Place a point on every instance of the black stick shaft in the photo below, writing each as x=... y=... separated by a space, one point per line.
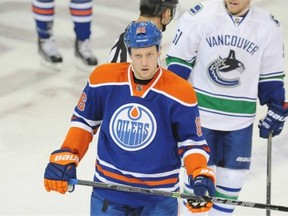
x=269 y=175
x=177 y=195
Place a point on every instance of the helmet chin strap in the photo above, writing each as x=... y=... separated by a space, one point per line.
x=156 y=70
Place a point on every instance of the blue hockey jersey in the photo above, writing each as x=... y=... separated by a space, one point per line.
x=146 y=131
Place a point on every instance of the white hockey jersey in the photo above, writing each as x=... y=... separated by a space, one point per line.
x=230 y=57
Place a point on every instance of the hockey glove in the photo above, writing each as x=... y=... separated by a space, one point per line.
x=274 y=120
x=203 y=181
x=60 y=169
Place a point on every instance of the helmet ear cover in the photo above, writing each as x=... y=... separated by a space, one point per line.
x=142 y=34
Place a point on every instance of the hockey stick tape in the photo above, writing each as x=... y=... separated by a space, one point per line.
x=73 y=181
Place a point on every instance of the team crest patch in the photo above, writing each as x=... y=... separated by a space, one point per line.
x=195 y=9
x=224 y=71
x=132 y=127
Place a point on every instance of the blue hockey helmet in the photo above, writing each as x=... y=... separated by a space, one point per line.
x=142 y=34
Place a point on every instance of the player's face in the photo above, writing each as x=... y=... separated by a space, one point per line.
x=237 y=7
x=144 y=62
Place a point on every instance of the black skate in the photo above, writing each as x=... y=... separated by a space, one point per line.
x=84 y=54
x=49 y=53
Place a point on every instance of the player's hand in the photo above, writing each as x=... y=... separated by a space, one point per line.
x=274 y=120
x=196 y=206
x=60 y=169
x=203 y=183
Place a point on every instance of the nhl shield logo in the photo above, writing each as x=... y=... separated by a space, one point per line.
x=132 y=127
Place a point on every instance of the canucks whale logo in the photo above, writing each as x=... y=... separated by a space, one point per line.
x=132 y=127
x=225 y=71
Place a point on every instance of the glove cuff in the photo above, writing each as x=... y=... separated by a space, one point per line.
x=278 y=112
x=64 y=157
x=285 y=105
x=205 y=172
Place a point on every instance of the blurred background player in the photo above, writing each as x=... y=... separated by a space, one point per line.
x=148 y=127
x=160 y=12
x=232 y=53
x=81 y=11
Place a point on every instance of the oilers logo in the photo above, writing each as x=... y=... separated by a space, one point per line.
x=132 y=127
x=225 y=71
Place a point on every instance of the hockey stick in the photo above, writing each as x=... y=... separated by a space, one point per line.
x=269 y=165
x=177 y=195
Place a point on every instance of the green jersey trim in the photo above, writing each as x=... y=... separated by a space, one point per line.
x=224 y=105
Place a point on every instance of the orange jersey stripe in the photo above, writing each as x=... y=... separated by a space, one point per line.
x=43 y=11
x=81 y=12
x=135 y=180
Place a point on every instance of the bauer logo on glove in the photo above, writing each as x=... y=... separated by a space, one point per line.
x=274 y=120
x=60 y=169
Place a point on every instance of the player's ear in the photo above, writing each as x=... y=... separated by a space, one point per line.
x=167 y=14
x=166 y=17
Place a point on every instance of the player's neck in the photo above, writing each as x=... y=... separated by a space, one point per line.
x=241 y=13
x=140 y=81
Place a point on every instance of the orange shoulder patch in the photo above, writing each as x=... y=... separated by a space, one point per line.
x=111 y=72
x=177 y=87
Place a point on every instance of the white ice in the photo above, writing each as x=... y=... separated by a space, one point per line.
x=36 y=106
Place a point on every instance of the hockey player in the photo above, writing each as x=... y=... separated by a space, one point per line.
x=81 y=11
x=148 y=126
x=231 y=52
x=160 y=12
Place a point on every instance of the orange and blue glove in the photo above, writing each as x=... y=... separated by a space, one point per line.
x=60 y=169
x=203 y=184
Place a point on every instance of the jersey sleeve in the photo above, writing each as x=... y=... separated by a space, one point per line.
x=86 y=119
x=184 y=117
x=271 y=83
x=192 y=144
x=186 y=122
x=182 y=52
